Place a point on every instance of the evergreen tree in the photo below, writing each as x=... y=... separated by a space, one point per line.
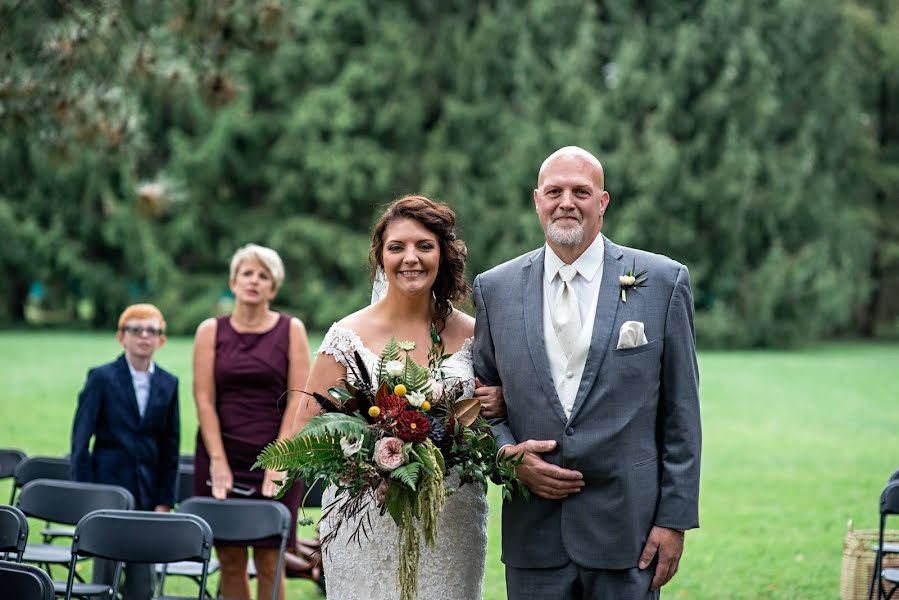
x=143 y=142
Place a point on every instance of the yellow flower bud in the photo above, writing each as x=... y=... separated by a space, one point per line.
x=400 y=390
x=374 y=412
x=426 y=406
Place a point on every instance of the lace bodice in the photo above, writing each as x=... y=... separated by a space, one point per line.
x=340 y=342
x=454 y=570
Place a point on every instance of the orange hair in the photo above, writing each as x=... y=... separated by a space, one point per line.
x=141 y=311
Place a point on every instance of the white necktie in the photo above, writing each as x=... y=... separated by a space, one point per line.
x=566 y=314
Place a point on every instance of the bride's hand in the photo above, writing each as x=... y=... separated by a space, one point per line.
x=493 y=405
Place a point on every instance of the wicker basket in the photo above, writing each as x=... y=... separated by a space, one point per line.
x=858 y=561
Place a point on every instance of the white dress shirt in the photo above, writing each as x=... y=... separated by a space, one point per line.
x=567 y=372
x=141 y=382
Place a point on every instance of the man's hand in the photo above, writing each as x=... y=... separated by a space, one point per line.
x=269 y=487
x=491 y=398
x=542 y=478
x=669 y=544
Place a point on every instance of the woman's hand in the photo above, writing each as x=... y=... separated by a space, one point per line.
x=493 y=405
x=269 y=487
x=221 y=476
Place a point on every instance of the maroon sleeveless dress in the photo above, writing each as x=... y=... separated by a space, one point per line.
x=250 y=381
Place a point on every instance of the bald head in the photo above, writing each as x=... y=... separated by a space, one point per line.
x=577 y=154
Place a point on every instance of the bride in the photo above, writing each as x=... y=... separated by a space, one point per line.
x=415 y=245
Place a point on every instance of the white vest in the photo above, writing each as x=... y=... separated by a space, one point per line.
x=567 y=372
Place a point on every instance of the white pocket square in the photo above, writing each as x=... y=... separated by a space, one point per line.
x=631 y=335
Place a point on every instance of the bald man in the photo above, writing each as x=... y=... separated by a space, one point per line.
x=594 y=347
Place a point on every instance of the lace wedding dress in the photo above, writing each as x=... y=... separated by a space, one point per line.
x=454 y=570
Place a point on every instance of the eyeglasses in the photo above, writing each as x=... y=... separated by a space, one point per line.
x=139 y=330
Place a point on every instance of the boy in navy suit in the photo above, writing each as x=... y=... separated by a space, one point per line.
x=130 y=408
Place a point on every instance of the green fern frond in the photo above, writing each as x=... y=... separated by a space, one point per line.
x=297 y=452
x=335 y=425
x=391 y=351
x=416 y=376
x=408 y=474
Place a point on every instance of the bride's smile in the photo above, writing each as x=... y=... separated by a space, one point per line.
x=411 y=274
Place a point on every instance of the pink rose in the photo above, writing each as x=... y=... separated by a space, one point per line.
x=389 y=453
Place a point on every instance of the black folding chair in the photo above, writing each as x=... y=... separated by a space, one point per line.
x=9 y=458
x=24 y=582
x=141 y=537
x=889 y=547
x=43 y=467
x=40 y=467
x=13 y=532
x=243 y=521
x=65 y=502
x=889 y=505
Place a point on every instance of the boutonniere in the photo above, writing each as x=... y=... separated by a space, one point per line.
x=631 y=279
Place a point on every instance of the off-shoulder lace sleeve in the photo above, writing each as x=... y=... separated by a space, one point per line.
x=467 y=348
x=340 y=342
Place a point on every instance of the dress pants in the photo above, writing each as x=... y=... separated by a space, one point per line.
x=573 y=582
x=139 y=578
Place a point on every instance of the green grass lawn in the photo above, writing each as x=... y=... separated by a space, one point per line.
x=795 y=444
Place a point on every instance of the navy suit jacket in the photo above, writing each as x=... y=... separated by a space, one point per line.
x=137 y=453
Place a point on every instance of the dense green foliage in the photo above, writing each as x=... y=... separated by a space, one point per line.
x=875 y=26
x=142 y=142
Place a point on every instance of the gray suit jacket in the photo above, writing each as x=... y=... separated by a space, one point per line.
x=634 y=431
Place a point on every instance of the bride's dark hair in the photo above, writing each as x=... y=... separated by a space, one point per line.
x=439 y=219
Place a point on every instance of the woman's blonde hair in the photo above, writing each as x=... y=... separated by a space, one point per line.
x=268 y=257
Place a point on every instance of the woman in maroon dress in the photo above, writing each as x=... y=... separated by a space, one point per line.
x=243 y=365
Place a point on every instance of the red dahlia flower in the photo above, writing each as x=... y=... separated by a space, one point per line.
x=392 y=406
x=412 y=426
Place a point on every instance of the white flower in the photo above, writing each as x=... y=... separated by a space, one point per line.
x=416 y=399
x=394 y=368
x=407 y=346
x=350 y=447
x=631 y=279
x=435 y=387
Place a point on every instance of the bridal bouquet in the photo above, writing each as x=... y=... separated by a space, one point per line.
x=394 y=442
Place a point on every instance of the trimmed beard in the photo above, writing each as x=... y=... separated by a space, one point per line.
x=572 y=236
